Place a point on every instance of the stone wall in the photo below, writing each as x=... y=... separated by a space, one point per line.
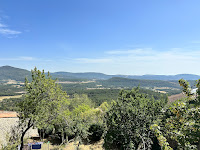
x=5 y=127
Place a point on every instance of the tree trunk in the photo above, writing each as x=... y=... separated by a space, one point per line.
x=40 y=134
x=63 y=139
x=62 y=136
x=66 y=139
x=43 y=133
x=23 y=134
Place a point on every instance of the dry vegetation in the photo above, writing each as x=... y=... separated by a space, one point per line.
x=175 y=97
x=73 y=146
x=96 y=146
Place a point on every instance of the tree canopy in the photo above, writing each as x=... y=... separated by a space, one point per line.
x=179 y=125
x=129 y=119
x=41 y=103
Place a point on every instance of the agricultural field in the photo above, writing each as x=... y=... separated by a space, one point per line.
x=175 y=97
x=8 y=97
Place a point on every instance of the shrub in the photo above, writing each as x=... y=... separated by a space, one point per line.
x=96 y=132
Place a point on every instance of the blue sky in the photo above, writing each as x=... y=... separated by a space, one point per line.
x=132 y=37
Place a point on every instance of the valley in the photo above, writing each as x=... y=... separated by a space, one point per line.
x=92 y=91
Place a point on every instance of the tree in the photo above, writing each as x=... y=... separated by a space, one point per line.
x=76 y=120
x=41 y=103
x=129 y=119
x=82 y=115
x=80 y=100
x=179 y=124
x=186 y=87
x=198 y=92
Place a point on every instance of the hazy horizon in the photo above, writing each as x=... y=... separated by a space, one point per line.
x=111 y=37
x=102 y=72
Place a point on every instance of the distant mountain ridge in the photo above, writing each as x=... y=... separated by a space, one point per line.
x=8 y=72
x=167 y=77
x=102 y=76
x=84 y=75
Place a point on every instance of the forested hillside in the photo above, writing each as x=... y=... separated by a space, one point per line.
x=124 y=82
x=86 y=75
x=8 y=72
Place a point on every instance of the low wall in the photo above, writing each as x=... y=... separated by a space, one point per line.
x=6 y=125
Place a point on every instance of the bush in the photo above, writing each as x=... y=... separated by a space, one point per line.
x=95 y=132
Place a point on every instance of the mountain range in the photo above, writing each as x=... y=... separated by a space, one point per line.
x=18 y=74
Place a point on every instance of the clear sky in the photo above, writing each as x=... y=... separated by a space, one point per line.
x=132 y=37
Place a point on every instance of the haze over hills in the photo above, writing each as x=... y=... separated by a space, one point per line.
x=8 y=72
x=167 y=77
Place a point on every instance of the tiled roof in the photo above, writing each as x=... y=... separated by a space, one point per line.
x=8 y=114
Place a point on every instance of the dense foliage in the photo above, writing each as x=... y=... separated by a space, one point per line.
x=179 y=125
x=98 y=96
x=134 y=120
x=78 y=118
x=129 y=119
x=48 y=108
x=41 y=102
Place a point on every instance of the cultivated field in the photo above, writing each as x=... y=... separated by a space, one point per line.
x=175 y=97
x=7 y=97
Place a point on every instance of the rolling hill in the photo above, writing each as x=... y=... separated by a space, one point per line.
x=129 y=83
x=166 y=77
x=85 y=75
x=8 y=72
x=101 y=76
